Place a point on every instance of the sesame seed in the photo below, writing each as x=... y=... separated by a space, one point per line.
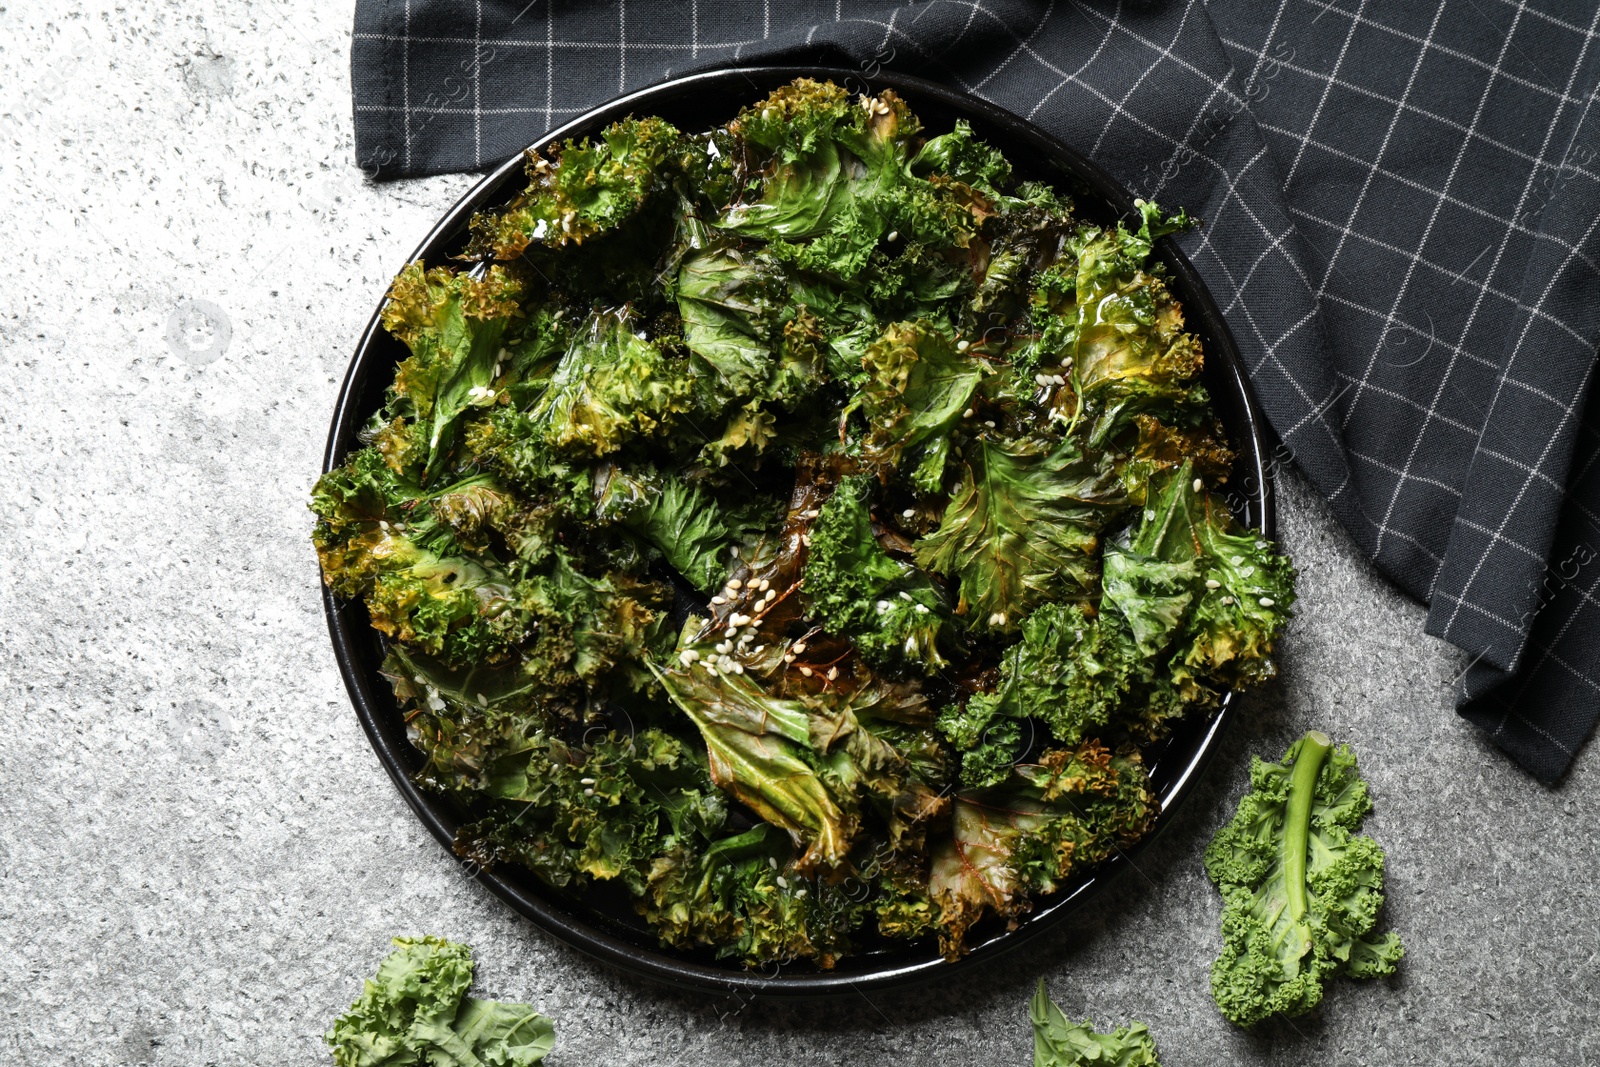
x=962 y=346
x=588 y=792
x=922 y=609
x=1198 y=485
x=805 y=672
x=909 y=513
x=772 y=863
x=997 y=619
x=1227 y=600
x=833 y=673
x=894 y=235
x=799 y=648
x=967 y=414
x=1212 y=583
x=788 y=657
x=764 y=585
x=719 y=600
x=737 y=668
x=883 y=605
x=734 y=584
x=989 y=423
x=1266 y=602
x=781 y=883
x=1041 y=379
x=586 y=781
x=904 y=595
x=760 y=649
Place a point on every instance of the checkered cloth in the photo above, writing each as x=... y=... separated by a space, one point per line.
x=1400 y=201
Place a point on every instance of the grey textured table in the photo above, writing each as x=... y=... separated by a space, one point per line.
x=200 y=858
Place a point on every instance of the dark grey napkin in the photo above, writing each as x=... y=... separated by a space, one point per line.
x=1400 y=202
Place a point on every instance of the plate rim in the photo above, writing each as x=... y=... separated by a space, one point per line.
x=348 y=632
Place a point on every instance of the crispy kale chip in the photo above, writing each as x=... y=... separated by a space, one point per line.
x=1022 y=527
x=916 y=388
x=1060 y=1042
x=608 y=809
x=856 y=589
x=1190 y=605
x=740 y=897
x=1301 y=889
x=694 y=532
x=453 y=323
x=611 y=387
x=416 y=1011
x=1071 y=810
x=581 y=189
x=838 y=181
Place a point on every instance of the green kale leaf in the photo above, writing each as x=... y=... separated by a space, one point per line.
x=855 y=589
x=1022 y=527
x=760 y=751
x=684 y=522
x=1059 y=1042
x=415 y=1012
x=916 y=388
x=582 y=189
x=612 y=386
x=453 y=324
x=1071 y=810
x=1301 y=889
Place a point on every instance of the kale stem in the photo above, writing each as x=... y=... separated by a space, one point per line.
x=1313 y=749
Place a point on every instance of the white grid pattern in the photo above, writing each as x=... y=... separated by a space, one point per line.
x=1284 y=127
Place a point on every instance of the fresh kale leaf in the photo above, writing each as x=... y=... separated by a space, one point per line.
x=1059 y=1042
x=415 y=1011
x=1301 y=889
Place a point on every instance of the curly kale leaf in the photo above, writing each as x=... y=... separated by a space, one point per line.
x=960 y=156
x=1130 y=352
x=692 y=530
x=1071 y=670
x=742 y=897
x=1022 y=527
x=1071 y=810
x=582 y=189
x=1301 y=889
x=838 y=182
x=611 y=387
x=760 y=752
x=916 y=388
x=1169 y=634
x=607 y=810
x=855 y=589
x=453 y=324
x=588 y=634
x=416 y=1011
x=727 y=302
x=1059 y=1042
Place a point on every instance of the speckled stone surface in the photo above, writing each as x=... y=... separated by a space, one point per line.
x=200 y=858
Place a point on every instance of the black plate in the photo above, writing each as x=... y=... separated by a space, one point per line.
x=603 y=924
